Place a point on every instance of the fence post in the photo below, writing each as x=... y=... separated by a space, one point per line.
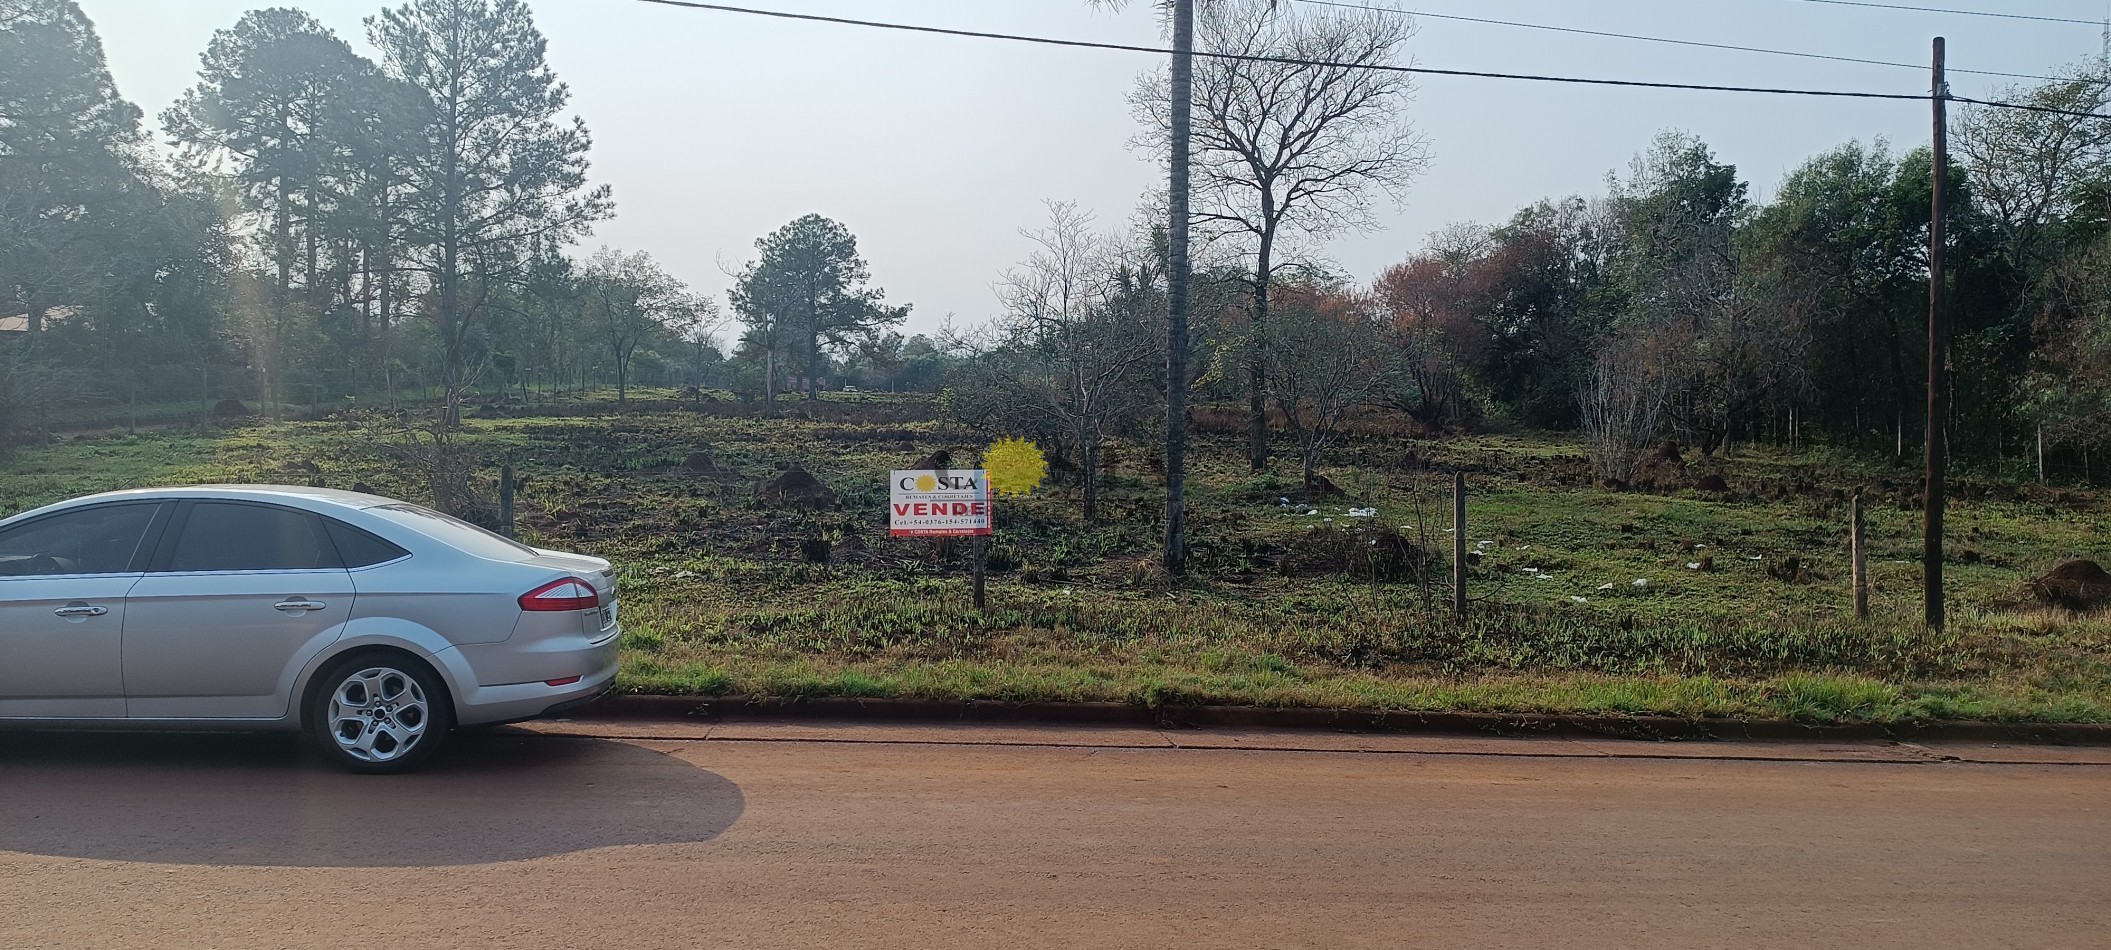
x=981 y=567
x=1458 y=545
x=1858 y=544
x=505 y=501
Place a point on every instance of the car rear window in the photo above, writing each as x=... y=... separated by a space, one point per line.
x=358 y=548
x=456 y=532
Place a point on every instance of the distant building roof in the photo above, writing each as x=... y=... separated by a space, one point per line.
x=19 y=322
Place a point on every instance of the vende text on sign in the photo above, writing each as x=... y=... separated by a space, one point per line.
x=938 y=504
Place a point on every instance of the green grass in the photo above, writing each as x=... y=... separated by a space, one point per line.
x=718 y=599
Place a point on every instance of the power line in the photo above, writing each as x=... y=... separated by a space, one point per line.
x=1285 y=60
x=1375 y=67
x=1666 y=40
x=2027 y=107
x=1982 y=13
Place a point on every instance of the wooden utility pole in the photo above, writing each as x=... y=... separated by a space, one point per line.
x=1458 y=545
x=1938 y=354
x=1176 y=283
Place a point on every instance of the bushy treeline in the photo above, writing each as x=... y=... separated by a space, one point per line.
x=319 y=226
x=1674 y=305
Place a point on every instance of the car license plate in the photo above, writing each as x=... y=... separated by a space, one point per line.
x=608 y=616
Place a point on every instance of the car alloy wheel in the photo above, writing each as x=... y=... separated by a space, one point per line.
x=379 y=714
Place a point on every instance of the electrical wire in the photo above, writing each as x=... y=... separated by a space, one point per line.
x=1375 y=67
x=1290 y=61
x=1982 y=13
x=1667 y=40
x=2027 y=107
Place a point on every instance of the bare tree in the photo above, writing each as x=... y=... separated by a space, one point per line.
x=2030 y=168
x=1623 y=406
x=1431 y=303
x=1089 y=356
x=1725 y=337
x=1323 y=366
x=1297 y=140
x=628 y=296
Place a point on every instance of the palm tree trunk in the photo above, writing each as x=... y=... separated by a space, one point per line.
x=1176 y=342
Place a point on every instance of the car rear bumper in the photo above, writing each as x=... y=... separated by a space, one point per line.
x=596 y=667
x=571 y=705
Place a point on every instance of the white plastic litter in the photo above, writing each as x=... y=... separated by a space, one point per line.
x=1580 y=600
x=1755 y=557
x=1608 y=585
x=1363 y=512
x=1693 y=565
x=1641 y=582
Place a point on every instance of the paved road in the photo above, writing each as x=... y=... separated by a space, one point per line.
x=812 y=836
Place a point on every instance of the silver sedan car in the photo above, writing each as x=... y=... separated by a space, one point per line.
x=373 y=625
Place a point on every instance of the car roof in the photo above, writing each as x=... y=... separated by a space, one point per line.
x=294 y=494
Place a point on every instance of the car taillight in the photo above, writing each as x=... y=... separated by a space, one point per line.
x=570 y=593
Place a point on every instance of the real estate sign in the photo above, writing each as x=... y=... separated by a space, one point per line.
x=938 y=504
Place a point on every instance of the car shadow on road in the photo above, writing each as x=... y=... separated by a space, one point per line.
x=261 y=800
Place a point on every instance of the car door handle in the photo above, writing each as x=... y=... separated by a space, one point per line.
x=297 y=605
x=81 y=610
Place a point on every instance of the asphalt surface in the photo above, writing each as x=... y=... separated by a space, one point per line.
x=817 y=835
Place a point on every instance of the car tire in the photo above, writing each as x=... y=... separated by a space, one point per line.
x=378 y=712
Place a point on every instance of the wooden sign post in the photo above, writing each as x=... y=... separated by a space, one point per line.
x=937 y=503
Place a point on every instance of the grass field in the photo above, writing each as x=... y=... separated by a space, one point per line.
x=1666 y=601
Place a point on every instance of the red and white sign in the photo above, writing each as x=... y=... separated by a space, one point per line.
x=938 y=504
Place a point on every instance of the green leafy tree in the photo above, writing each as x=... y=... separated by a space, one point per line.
x=496 y=166
x=1675 y=270
x=1850 y=226
x=806 y=294
x=2068 y=389
x=273 y=112
x=70 y=147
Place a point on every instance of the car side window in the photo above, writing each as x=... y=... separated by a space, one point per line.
x=220 y=536
x=98 y=540
x=359 y=548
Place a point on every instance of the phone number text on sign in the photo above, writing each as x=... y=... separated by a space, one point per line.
x=938 y=504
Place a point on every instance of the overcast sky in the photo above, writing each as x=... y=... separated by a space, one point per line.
x=717 y=128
